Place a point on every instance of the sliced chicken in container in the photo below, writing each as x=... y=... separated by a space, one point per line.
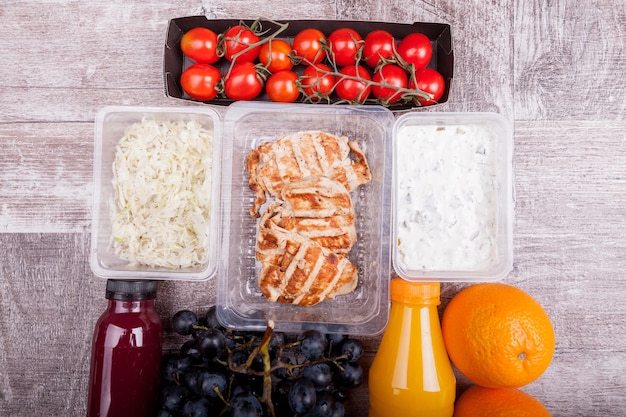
x=308 y=229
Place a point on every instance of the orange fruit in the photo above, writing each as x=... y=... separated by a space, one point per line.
x=479 y=401
x=497 y=335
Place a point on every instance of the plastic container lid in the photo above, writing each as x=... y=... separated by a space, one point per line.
x=130 y=290
x=410 y=292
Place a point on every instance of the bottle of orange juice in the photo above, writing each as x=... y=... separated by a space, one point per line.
x=411 y=375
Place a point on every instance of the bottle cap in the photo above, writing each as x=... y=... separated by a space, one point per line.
x=130 y=290
x=409 y=292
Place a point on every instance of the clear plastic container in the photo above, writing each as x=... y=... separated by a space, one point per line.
x=240 y=303
x=452 y=197
x=110 y=125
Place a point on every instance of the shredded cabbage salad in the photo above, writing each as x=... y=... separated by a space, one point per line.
x=161 y=205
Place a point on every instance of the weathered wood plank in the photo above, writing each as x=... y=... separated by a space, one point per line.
x=46 y=180
x=569 y=60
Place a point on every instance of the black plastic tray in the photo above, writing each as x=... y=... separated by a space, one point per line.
x=175 y=62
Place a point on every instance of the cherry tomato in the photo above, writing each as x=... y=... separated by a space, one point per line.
x=317 y=81
x=344 y=44
x=200 y=44
x=395 y=77
x=429 y=81
x=243 y=82
x=308 y=44
x=282 y=86
x=276 y=55
x=352 y=89
x=238 y=39
x=379 y=44
x=199 y=81
x=416 y=49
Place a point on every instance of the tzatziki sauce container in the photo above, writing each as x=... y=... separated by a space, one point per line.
x=452 y=197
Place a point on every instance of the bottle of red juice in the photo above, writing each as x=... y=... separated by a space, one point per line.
x=126 y=353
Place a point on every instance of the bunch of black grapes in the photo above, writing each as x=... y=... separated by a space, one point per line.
x=226 y=373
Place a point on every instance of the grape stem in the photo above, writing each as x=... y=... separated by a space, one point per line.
x=267 y=367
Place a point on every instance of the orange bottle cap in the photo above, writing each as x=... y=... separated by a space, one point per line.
x=409 y=292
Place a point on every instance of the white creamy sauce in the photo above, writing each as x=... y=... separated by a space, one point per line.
x=446 y=201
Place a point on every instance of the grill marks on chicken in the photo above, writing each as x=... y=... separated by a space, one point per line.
x=306 y=233
x=301 y=155
x=319 y=209
x=297 y=270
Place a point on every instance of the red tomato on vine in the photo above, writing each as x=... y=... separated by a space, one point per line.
x=416 y=49
x=282 y=86
x=317 y=81
x=344 y=44
x=199 y=81
x=200 y=45
x=243 y=82
x=429 y=81
x=238 y=44
x=308 y=45
x=379 y=45
x=395 y=79
x=275 y=55
x=355 y=86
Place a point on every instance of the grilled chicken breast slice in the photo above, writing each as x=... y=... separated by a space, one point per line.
x=299 y=155
x=320 y=209
x=298 y=270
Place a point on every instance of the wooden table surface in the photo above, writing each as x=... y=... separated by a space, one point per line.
x=555 y=68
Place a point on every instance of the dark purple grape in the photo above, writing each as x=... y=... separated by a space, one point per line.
x=173 y=397
x=245 y=405
x=161 y=412
x=212 y=381
x=190 y=349
x=230 y=341
x=279 y=397
x=257 y=363
x=251 y=384
x=211 y=343
x=283 y=387
x=352 y=349
x=319 y=374
x=196 y=407
x=339 y=410
x=352 y=374
x=190 y=379
x=341 y=394
x=313 y=344
x=302 y=396
x=324 y=405
x=174 y=366
x=239 y=357
x=184 y=321
x=335 y=340
x=211 y=319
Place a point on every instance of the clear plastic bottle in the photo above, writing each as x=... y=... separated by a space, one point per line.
x=411 y=375
x=126 y=353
